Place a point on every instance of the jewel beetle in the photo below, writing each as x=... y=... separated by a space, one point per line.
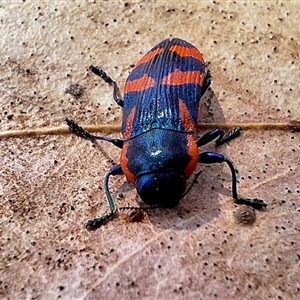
x=160 y=114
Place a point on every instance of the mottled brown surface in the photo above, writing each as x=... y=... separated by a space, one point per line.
x=51 y=185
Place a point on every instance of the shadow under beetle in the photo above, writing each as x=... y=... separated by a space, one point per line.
x=160 y=111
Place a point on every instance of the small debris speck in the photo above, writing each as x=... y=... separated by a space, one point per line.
x=245 y=215
x=76 y=90
x=136 y=216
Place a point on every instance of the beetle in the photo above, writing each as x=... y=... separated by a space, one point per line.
x=160 y=115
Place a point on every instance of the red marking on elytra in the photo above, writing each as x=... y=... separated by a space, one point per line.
x=128 y=129
x=193 y=150
x=178 y=77
x=124 y=164
x=149 y=56
x=186 y=119
x=140 y=84
x=194 y=154
x=187 y=52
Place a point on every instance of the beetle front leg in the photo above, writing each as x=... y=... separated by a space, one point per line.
x=76 y=128
x=96 y=223
x=212 y=158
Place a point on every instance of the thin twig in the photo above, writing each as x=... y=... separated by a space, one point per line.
x=292 y=125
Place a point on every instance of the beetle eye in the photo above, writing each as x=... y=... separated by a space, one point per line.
x=162 y=189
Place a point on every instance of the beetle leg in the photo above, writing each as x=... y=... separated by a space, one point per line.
x=197 y=174
x=73 y=126
x=206 y=83
x=212 y=158
x=96 y=223
x=116 y=93
x=220 y=134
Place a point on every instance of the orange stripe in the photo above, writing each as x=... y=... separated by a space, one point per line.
x=124 y=164
x=194 y=154
x=193 y=151
x=186 y=119
x=179 y=77
x=128 y=129
x=148 y=56
x=139 y=84
x=187 y=52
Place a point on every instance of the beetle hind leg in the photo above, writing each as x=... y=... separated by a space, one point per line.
x=116 y=93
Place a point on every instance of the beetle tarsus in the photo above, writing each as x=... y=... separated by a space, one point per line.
x=220 y=135
x=98 y=222
x=138 y=208
x=255 y=203
x=76 y=128
x=98 y=71
x=116 y=92
x=81 y=132
x=232 y=134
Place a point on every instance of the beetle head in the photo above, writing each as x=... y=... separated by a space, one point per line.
x=164 y=189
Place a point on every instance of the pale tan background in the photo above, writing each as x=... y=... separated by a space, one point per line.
x=51 y=185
